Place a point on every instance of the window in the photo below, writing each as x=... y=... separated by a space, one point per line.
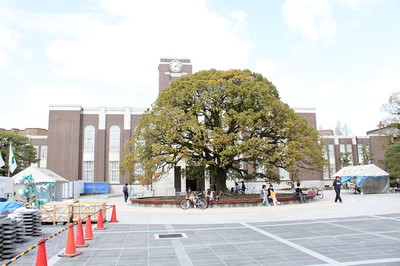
x=115 y=138
x=138 y=169
x=346 y=153
x=88 y=171
x=88 y=154
x=89 y=138
x=283 y=174
x=113 y=172
x=43 y=152
x=364 y=155
x=332 y=159
x=113 y=154
x=43 y=156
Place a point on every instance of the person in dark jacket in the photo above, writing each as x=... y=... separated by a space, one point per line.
x=337 y=185
x=125 y=191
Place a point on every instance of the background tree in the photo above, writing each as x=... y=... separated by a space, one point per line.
x=391 y=124
x=366 y=155
x=345 y=159
x=219 y=120
x=392 y=160
x=24 y=152
x=342 y=130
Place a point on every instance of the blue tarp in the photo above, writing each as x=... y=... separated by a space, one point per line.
x=9 y=206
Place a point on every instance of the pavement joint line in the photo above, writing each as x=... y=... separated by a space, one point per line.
x=179 y=249
x=363 y=231
x=387 y=218
x=362 y=262
x=185 y=230
x=315 y=222
x=212 y=250
x=294 y=245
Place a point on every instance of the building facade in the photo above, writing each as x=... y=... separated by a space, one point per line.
x=38 y=139
x=87 y=143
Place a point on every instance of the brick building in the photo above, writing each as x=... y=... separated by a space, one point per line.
x=87 y=143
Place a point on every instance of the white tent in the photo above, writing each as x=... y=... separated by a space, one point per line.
x=41 y=177
x=370 y=178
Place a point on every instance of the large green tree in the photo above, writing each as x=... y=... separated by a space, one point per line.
x=219 y=120
x=392 y=160
x=24 y=152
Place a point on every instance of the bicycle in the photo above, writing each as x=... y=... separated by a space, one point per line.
x=317 y=192
x=251 y=190
x=197 y=202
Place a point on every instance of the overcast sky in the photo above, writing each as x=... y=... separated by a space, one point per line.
x=341 y=57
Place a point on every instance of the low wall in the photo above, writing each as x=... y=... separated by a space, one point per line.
x=157 y=203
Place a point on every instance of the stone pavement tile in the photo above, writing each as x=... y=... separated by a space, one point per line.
x=157 y=227
x=164 y=261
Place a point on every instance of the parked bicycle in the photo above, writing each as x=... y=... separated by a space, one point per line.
x=197 y=202
x=251 y=190
x=317 y=192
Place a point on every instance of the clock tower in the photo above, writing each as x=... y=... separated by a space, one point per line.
x=170 y=69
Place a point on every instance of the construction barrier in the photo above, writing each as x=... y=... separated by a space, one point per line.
x=113 y=215
x=70 y=248
x=41 y=258
x=80 y=240
x=100 y=224
x=89 y=231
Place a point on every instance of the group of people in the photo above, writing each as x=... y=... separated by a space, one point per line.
x=269 y=193
x=208 y=194
x=239 y=189
x=265 y=193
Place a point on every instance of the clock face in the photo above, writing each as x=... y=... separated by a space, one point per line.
x=175 y=66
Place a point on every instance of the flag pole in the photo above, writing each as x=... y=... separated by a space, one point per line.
x=9 y=154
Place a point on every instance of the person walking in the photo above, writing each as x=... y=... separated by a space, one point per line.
x=243 y=188
x=125 y=190
x=337 y=184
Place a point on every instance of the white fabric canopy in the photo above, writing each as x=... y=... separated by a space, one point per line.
x=40 y=175
x=370 y=178
x=369 y=170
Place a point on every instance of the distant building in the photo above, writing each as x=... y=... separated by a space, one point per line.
x=38 y=138
x=87 y=143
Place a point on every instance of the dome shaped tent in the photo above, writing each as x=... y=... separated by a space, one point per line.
x=370 y=178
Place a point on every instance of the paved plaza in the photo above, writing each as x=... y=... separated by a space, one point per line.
x=363 y=230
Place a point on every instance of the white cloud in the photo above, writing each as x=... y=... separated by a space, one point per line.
x=284 y=81
x=37 y=99
x=357 y=105
x=312 y=19
x=7 y=43
x=354 y=4
x=239 y=15
x=127 y=52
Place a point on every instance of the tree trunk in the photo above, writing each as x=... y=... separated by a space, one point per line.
x=221 y=179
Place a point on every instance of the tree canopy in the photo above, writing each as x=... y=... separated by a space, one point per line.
x=392 y=159
x=220 y=120
x=24 y=152
x=392 y=108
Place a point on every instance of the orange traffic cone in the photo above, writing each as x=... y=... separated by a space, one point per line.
x=70 y=249
x=41 y=258
x=89 y=231
x=114 y=215
x=80 y=241
x=100 y=224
